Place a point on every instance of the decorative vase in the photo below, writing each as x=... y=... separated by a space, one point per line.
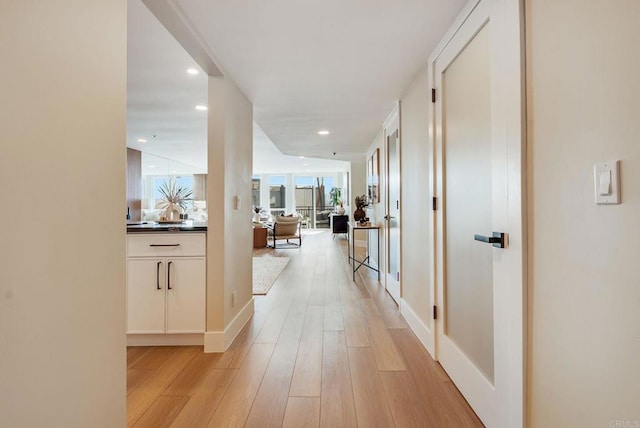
x=173 y=211
x=340 y=210
x=358 y=214
x=256 y=218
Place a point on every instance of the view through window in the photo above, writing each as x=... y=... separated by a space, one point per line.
x=277 y=194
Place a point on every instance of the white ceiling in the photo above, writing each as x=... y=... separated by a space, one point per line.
x=308 y=65
x=160 y=107
x=305 y=65
x=267 y=159
x=161 y=96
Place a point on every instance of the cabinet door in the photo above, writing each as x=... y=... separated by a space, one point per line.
x=146 y=295
x=186 y=294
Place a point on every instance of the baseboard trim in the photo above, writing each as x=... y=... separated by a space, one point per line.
x=417 y=326
x=239 y=321
x=192 y=339
x=219 y=341
x=374 y=263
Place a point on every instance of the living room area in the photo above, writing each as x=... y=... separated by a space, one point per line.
x=313 y=206
x=311 y=190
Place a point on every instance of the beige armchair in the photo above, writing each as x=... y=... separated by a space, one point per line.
x=286 y=228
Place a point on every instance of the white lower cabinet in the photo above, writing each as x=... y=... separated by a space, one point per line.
x=166 y=293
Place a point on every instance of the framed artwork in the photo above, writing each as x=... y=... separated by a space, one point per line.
x=373 y=172
x=348 y=193
x=369 y=179
x=375 y=177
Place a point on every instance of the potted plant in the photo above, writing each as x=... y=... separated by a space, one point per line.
x=257 y=210
x=174 y=199
x=336 y=199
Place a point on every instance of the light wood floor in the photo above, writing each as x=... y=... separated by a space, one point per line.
x=320 y=350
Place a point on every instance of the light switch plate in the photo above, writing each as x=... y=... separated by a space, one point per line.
x=607 y=193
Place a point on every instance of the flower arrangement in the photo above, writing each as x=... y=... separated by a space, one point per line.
x=173 y=194
x=361 y=202
x=257 y=210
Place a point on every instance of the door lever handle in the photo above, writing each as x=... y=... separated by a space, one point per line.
x=497 y=239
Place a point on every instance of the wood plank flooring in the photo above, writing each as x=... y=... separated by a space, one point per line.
x=320 y=350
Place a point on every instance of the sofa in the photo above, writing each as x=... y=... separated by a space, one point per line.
x=322 y=219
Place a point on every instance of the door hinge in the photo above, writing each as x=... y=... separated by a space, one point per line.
x=433 y=95
x=398 y=276
x=435 y=312
x=434 y=203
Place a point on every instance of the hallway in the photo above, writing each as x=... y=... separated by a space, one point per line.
x=320 y=350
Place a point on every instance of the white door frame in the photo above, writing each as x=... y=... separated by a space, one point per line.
x=508 y=128
x=392 y=285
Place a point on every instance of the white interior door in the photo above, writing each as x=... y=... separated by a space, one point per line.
x=480 y=283
x=392 y=146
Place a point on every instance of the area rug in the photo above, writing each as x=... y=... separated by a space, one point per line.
x=265 y=272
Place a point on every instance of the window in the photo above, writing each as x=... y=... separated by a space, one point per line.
x=181 y=181
x=277 y=193
x=255 y=191
x=152 y=183
x=304 y=198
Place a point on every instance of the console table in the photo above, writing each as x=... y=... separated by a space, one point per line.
x=366 y=261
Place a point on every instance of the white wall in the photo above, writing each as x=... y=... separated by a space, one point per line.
x=230 y=234
x=358 y=184
x=376 y=212
x=62 y=261
x=216 y=200
x=416 y=197
x=238 y=229
x=583 y=95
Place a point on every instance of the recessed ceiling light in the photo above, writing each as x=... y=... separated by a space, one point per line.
x=301 y=157
x=323 y=132
x=192 y=71
x=201 y=108
x=141 y=140
x=305 y=164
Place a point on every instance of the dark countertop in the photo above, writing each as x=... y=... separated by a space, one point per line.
x=152 y=226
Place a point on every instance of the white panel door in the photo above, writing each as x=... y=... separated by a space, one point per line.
x=468 y=204
x=186 y=295
x=480 y=283
x=145 y=295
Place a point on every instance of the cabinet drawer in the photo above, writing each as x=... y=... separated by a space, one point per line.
x=166 y=244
